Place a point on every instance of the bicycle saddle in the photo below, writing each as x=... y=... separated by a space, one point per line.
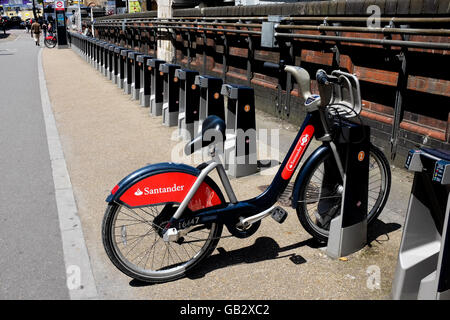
x=213 y=131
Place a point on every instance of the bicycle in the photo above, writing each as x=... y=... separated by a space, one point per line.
x=50 y=41
x=164 y=219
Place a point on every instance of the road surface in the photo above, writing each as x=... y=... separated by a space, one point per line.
x=31 y=261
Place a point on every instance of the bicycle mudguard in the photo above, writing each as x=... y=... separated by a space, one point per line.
x=305 y=169
x=164 y=183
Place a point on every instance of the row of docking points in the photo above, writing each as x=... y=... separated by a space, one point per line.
x=183 y=98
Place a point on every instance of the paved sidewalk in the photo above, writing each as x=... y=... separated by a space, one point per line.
x=105 y=136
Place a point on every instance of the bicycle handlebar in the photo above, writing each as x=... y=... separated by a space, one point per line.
x=270 y=65
x=274 y=66
x=322 y=77
x=303 y=80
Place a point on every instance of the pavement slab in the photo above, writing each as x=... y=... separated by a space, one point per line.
x=105 y=135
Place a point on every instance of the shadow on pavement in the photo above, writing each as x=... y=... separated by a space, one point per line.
x=379 y=228
x=264 y=248
x=4 y=36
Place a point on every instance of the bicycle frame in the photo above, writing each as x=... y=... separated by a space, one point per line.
x=262 y=204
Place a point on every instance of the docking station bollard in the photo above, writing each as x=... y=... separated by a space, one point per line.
x=145 y=80
x=128 y=80
x=94 y=53
x=104 y=57
x=240 y=143
x=111 y=49
x=423 y=267
x=135 y=74
x=171 y=94
x=99 y=55
x=211 y=101
x=82 y=46
x=111 y=59
x=116 y=62
x=157 y=86
x=348 y=231
x=123 y=68
x=189 y=103
x=89 y=48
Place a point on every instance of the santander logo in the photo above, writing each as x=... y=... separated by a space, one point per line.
x=152 y=191
x=305 y=139
x=297 y=153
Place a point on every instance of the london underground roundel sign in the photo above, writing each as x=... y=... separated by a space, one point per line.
x=59 y=5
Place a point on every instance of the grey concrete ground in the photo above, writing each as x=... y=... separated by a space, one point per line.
x=31 y=256
x=105 y=136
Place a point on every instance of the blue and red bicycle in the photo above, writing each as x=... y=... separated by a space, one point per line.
x=164 y=219
x=50 y=41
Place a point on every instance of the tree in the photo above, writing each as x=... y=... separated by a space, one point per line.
x=34 y=10
x=34 y=7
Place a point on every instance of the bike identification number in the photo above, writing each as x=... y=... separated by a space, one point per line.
x=188 y=223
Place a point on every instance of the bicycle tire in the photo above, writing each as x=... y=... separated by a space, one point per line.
x=50 y=43
x=308 y=189
x=165 y=274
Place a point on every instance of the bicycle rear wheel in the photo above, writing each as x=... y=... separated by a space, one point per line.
x=133 y=241
x=320 y=200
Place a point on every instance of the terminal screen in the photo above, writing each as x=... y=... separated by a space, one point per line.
x=60 y=19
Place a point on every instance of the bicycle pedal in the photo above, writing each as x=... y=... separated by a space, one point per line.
x=279 y=214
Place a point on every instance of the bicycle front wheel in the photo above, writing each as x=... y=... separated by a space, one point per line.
x=133 y=241
x=50 y=43
x=320 y=197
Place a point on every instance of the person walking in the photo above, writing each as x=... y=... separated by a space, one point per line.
x=36 y=31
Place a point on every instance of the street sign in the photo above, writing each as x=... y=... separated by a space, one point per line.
x=59 y=5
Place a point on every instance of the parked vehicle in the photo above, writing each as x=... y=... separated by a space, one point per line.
x=6 y=21
x=15 y=21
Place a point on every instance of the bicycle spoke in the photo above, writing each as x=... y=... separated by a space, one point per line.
x=136 y=244
x=126 y=225
x=319 y=191
x=143 y=219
